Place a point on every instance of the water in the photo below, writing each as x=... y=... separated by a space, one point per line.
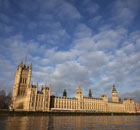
x=70 y=123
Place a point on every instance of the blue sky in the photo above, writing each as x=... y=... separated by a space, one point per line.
x=96 y=42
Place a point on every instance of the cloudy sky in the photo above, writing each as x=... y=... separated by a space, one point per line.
x=96 y=42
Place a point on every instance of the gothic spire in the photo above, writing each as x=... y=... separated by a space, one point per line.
x=65 y=93
x=90 y=93
x=79 y=85
x=21 y=63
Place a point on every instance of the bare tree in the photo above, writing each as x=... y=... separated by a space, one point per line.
x=5 y=100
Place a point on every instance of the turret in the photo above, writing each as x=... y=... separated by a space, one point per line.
x=37 y=85
x=114 y=94
x=17 y=80
x=90 y=94
x=20 y=64
x=65 y=93
x=104 y=97
x=29 y=75
x=30 y=66
x=79 y=92
x=45 y=89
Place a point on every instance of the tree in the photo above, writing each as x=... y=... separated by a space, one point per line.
x=5 y=100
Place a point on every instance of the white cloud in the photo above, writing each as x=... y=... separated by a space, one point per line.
x=84 y=44
x=131 y=94
x=96 y=20
x=94 y=61
x=109 y=39
x=68 y=10
x=82 y=62
x=125 y=11
x=82 y=30
x=4 y=28
x=60 y=8
x=128 y=48
x=59 y=41
x=54 y=37
x=138 y=43
x=90 y=7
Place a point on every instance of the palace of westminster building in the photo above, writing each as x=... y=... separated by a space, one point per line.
x=26 y=97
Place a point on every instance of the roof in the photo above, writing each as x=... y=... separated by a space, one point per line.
x=93 y=98
x=115 y=102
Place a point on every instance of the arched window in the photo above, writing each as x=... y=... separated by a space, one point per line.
x=23 y=80
x=20 y=79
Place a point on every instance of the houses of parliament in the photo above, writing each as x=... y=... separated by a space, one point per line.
x=26 y=97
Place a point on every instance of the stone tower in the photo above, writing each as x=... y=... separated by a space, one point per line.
x=79 y=92
x=114 y=94
x=22 y=80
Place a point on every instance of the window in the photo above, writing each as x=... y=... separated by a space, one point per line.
x=20 y=79
x=32 y=103
x=25 y=81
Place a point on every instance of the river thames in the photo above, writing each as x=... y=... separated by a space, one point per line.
x=69 y=122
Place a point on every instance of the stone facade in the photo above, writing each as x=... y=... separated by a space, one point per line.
x=27 y=97
x=93 y=104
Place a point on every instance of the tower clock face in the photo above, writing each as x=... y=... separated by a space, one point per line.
x=114 y=94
